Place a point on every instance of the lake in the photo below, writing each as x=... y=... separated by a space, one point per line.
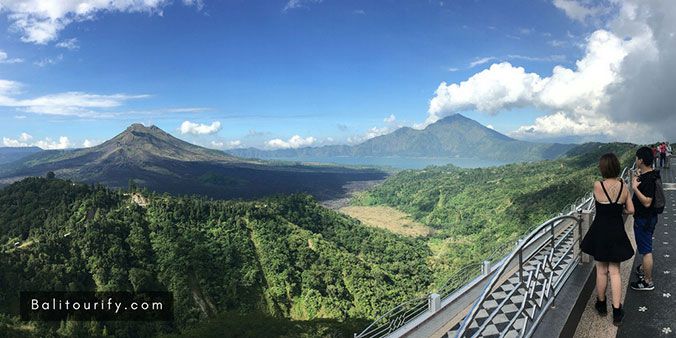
x=397 y=162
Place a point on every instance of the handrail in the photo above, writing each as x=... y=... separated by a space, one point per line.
x=375 y=331
x=549 y=284
x=397 y=317
x=518 y=251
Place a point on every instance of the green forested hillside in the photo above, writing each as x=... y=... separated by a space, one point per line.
x=293 y=264
x=282 y=266
x=476 y=211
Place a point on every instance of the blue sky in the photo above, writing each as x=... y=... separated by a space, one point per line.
x=244 y=73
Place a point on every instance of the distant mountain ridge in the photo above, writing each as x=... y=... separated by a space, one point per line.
x=11 y=154
x=155 y=159
x=454 y=136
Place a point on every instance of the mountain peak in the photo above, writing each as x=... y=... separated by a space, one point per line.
x=140 y=143
x=141 y=127
x=454 y=118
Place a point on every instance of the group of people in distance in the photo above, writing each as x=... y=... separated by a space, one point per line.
x=661 y=151
x=607 y=241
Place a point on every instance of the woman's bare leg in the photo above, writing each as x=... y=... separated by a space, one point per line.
x=601 y=279
x=615 y=283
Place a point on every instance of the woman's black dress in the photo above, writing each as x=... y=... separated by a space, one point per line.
x=606 y=239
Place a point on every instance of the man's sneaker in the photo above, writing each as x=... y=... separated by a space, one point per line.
x=643 y=285
x=639 y=271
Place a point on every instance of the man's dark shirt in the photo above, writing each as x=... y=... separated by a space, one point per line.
x=647 y=187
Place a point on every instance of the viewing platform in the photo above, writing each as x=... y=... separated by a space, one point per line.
x=545 y=287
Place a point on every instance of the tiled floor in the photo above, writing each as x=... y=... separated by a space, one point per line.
x=506 y=320
x=653 y=313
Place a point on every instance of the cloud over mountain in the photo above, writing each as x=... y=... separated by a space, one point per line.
x=296 y=141
x=623 y=81
x=188 y=127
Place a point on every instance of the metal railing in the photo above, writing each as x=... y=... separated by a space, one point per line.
x=542 y=277
x=544 y=236
x=401 y=314
x=395 y=318
x=552 y=233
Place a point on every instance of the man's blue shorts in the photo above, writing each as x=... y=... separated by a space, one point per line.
x=643 y=232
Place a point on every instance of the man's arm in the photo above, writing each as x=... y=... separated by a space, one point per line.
x=646 y=201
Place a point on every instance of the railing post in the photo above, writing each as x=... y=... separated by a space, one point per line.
x=520 y=265
x=553 y=236
x=577 y=235
x=434 y=302
x=485 y=268
x=584 y=227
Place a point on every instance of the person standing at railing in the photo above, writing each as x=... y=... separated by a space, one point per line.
x=606 y=239
x=645 y=218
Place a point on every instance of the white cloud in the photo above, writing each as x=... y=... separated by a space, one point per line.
x=48 y=143
x=8 y=142
x=70 y=44
x=294 y=4
x=549 y=58
x=560 y=124
x=369 y=134
x=49 y=61
x=25 y=137
x=481 y=60
x=4 y=58
x=578 y=10
x=40 y=21
x=66 y=104
x=24 y=141
x=90 y=143
x=578 y=91
x=390 y=119
x=199 y=4
x=453 y=69
x=621 y=89
x=188 y=127
x=296 y=141
x=646 y=94
x=227 y=145
x=359 y=12
x=526 y=31
x=557 y=43
x=498 y=87
x=8 y=87
x=77 y=104
x=490 y=126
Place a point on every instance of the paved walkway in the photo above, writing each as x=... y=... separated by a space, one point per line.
x=653 y=313
x=592 y=325
x=648 y=313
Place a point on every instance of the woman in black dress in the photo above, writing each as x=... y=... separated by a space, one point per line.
x=606 y=239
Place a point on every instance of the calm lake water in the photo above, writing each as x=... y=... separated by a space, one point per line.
x=398 y=162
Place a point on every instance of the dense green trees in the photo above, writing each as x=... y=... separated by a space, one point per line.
x=284 y=257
